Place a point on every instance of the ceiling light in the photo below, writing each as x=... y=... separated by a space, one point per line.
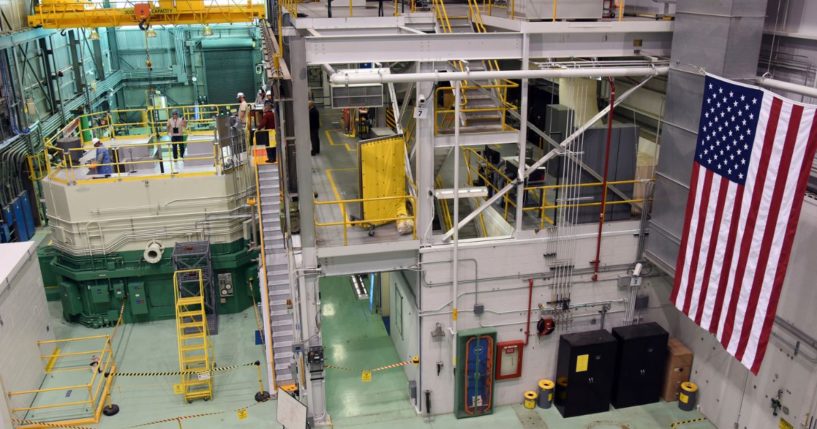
x=94 y=35
x=207 y=31
x=151 y=33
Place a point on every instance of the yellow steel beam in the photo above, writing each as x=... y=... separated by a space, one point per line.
x=55 y=15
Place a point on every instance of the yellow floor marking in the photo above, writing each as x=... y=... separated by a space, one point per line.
x=332 y=142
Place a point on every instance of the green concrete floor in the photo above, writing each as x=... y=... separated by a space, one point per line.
x=354 y=338
x=147 y=347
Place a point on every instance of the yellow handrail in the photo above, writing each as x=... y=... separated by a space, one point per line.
x=346 y=222
x=540 y=190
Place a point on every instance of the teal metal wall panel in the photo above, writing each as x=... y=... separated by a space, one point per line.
x=229 y=71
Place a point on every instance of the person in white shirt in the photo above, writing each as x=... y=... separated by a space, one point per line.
x=175 y=129
x=243 y=110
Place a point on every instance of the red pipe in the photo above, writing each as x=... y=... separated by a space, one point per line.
x=530 y=303
x=608 y=145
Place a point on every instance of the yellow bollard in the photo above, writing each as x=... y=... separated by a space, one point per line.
x=530 y=399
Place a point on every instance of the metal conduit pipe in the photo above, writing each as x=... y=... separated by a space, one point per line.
x=787 y=86
x=343 y=78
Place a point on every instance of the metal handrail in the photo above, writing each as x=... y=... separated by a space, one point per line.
x=346 y=222
x=541 y=189
x=95 y=387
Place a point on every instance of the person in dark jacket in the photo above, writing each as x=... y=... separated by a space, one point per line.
x=314 y=128
x=267 y=123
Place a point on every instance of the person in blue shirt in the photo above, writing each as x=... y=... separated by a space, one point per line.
x=102 y=160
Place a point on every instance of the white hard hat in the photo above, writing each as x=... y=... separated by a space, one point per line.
x=269 y=92
x=239 y=95
x=95 y=141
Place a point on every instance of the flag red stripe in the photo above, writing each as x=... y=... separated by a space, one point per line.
x=751 y=219
x=783 y=262
x=679 y=268
x=727 y=260
x=771 y=224
x=699 y=234
x=713 y=243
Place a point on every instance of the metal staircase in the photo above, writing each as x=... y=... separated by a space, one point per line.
x=484 y=102
x=192 y=335
x=276 y=269
x=193 y=255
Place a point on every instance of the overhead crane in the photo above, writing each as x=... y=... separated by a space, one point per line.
x=63 y=14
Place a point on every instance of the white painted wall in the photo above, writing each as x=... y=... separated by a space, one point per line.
x=401 y=286
x=725 y=384
x=128 y=215
x=23 y=320
x=504 y=269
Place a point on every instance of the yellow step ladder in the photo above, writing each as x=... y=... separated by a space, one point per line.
x=192 y=335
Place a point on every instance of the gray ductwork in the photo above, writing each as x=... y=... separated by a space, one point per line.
x=722 y=38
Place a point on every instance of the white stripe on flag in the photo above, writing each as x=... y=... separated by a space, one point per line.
x=720 y=252
x=706 y=239
x=748 y=189
x=690 y=250
x=781 y=225
x=757 y=234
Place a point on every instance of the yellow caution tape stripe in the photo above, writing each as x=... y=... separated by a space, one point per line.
x=674 y=425
x=20 y=422
x=169 y=373
x=414 y=360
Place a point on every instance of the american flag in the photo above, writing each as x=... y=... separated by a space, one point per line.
x=752 y=162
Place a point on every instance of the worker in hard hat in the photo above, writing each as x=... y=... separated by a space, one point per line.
x=243 y=111
x=263 y=137
x=260 y=97
x=175 y=129
x=101 y=164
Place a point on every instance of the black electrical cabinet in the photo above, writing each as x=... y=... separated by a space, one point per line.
x=584 y=372
x=642 y=356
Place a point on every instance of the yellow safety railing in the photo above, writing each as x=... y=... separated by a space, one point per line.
x=94 y=354
x=116 y=129
x=150 y=122
x=346 y=223
x=444 y=114
x=479 y=166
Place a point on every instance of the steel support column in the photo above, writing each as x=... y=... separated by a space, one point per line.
x=424 y=148
x=307 y=293
x=523 y=135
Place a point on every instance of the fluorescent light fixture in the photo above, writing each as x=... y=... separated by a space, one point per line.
x=467 y=192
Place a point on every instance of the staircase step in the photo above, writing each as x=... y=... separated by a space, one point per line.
x=199 y=335
x=192 y=348
x=196 y=313
x=193 y=300
x=282 y=345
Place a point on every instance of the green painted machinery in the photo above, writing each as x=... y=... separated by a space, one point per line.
x=93 y=288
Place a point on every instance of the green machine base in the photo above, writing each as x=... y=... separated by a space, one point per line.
x=93 y=288
x=474 y=377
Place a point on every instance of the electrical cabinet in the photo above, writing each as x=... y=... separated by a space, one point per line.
x=642 y=356
x=584 y=372
x=474 y=376
x=137 y=299
x=99 y=293
x=71 y=299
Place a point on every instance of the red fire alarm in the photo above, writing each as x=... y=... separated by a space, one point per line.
x=509 y=359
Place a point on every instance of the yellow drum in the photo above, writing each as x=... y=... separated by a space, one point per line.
x=530 y=399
